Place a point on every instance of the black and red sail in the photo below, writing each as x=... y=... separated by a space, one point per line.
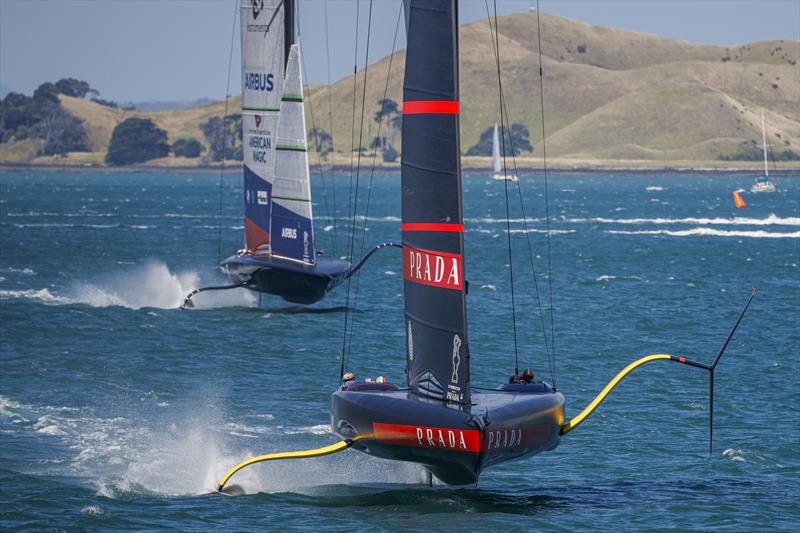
x=433 y=241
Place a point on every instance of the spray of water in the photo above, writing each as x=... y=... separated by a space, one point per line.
x=184 y=448
x=150 y=285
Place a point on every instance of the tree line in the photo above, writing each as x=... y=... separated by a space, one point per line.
x=137 y=139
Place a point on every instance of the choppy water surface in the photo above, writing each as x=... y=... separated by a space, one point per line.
x=117 y=410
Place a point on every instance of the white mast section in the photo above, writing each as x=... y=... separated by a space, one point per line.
x=764 y=140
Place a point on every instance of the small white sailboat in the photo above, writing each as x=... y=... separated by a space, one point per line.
x=497 y=169
x=763 y=184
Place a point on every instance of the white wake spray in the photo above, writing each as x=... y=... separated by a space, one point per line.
x=150 y=285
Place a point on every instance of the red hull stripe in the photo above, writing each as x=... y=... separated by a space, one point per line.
x=461 y=440
x=421 y=226
x=438 y=107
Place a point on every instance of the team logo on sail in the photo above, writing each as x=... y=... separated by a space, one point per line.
x=258 y=6
x=263 y=199
x=427 y=267
x=456 y=358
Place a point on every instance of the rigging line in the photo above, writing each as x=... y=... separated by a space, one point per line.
x=350 y=206
x=314 y=128
x=349 y=336
x=372 y=168
x=495 y=35
x=224 y=131
x=508 y=213
x=546 y=198
x=330 y=120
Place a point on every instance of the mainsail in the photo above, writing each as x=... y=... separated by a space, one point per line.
x=496 y=168
x=433 y=240
x=263 y=56
x=292 y=223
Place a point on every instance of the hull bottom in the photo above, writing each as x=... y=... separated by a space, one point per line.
x=292 y=281
x=455 y=444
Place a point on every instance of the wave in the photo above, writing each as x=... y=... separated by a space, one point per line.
x=152 y=285
x=89 y=226
x=771 y=220
x=654 y=188
x=711 y=232
x=12 y=270
x=606 y=277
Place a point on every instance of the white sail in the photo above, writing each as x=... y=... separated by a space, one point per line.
x=292 y=221
x=763 y=184
x=764 y=141
x=496 y=152
x=262 y=29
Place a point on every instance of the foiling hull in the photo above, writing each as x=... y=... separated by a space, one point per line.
x=291 y=280
x=454 y=444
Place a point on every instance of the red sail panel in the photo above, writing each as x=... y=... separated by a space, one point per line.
x=433 y=243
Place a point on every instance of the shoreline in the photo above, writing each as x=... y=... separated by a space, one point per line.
x=585 y=168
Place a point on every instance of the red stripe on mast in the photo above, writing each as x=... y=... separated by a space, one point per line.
x=438 y=107
x=424 y=226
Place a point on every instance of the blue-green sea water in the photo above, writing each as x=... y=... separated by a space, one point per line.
x=120 y=411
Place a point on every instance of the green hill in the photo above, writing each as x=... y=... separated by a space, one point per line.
x=612 y=97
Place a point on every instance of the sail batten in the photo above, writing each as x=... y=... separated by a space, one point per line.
x=263 y=36
x=433 y=241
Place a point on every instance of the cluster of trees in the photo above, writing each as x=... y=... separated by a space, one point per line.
x=514 y=140
x=190 y=147
x=223 y=137
x=390 y=119
x=41 y=117
x=136 y=140
x=753 y=152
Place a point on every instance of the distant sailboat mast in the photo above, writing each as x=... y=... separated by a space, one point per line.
x=764 y=142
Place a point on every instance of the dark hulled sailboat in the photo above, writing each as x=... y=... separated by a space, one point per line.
x=279 y=256
x=440 y=420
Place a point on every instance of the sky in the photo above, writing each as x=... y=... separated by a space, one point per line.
x=179 y=50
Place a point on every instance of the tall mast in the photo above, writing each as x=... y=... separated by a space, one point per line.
x=288 y=28
x=433 y=223
x=764 y=141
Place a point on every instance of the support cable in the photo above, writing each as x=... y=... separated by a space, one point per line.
x=224 y=135
x=348 y=336
x=546 y=197
x=508 y=212
x=372 y=171
x=330 y=121
x=315 y=135
x=494 y=33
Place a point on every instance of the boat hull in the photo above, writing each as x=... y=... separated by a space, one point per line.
x=291 y=280
x=454 y=444
x=763 y=186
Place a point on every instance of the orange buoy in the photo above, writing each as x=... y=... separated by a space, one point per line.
x=737 y=199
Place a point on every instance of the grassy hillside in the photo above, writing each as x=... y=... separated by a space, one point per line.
x=611 y=96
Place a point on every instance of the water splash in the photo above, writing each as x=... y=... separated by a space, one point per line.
x=152 y=285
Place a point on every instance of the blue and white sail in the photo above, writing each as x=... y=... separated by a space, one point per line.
x=292 y=226
x=263 y=56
